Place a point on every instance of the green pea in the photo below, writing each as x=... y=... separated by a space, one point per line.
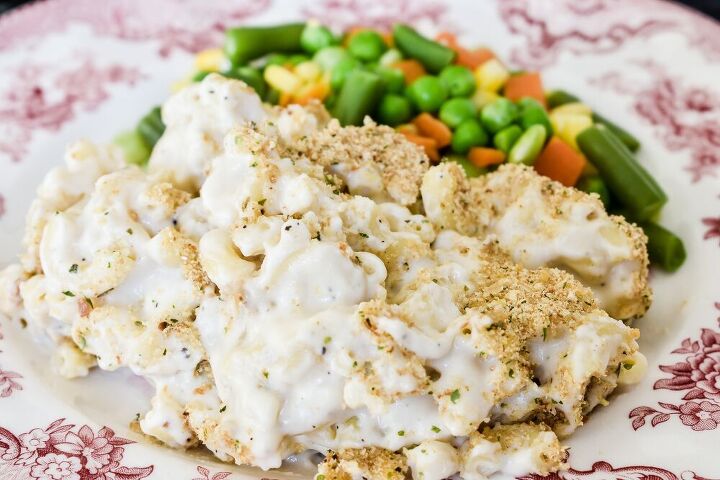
x=367 y=46
x=427 y=93
x=471 y=170
x=467 y=135
x=393 y=79
x=251 y=76
x=277 y=59
x=341 y=70
x=506 y=138
x=328 y=57
x=458 y=80
x=394 y=110
x=533 y=113
x=390 y=58
x=528 y=146
x=315 y=37
x=456 y=110
x=498 y=114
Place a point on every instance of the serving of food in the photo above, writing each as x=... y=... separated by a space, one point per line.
x=376 y=252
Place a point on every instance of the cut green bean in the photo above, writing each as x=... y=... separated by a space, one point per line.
x=243 y=44
x=358 y=97
x=623 y=135
x=506 y=138
x=628 y=181
x=151 y=127
x=533 y=113
x=561 y=97
x=133 y=146
x=341 y=71
x=666 y=249
x=432 y=55
x=528 y=146
x=595 y=184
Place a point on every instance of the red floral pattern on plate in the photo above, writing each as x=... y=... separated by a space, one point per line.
x=44 y=98
x=343 y=14
x=195 y=24
x=61 y=451
x=685 y=118
x=713 y=227
x=205 y=474
x=597 y=26
x=604 y=471
x=699 y=377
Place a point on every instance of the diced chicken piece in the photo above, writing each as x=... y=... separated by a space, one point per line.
x=514 y=450
x=196 y=120
x=373 y=160
x=363 y=464
x=541 y=223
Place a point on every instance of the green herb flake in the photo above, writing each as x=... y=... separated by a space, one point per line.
x=164 y=352
x=401 y=433
x=320 y=477
x=129 y=231
x=224 y=407
x=435 y=429
x=89 y=302
x=262 y=201
x=73 y=268
x=364 y=235
x=544 y=333
x=68 y=293
x=266 y=374
x=511 y=373
x=455 y=396
x=327 y=340
x=628 y=365
x=138 y=323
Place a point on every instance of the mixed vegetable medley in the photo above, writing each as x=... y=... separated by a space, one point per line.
x=461 y=105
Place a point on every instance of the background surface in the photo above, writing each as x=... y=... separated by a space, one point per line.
x=710 y=7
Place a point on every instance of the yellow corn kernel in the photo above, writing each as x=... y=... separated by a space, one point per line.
x=573 y=108
x=567 y=126
x=482 y=97
x=491 y=75
x=306 y=93
x=282 y=79
x=308 y=71
x=211 y=60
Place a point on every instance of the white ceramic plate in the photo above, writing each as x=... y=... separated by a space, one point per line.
x=89 y=68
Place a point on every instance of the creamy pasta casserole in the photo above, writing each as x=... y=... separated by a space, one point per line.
x=289 y=285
